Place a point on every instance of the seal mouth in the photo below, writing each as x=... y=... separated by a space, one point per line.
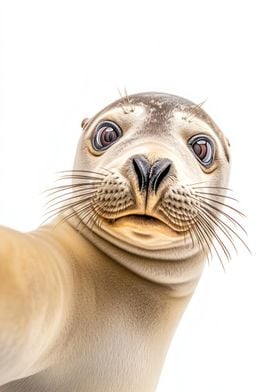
x=144 y=218
x=144 y=221
x=140 y=218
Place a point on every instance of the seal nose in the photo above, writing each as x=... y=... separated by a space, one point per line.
x=159 y=171
x=152 y=175
x=142 y=168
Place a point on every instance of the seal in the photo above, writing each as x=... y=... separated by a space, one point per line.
x=91 y=299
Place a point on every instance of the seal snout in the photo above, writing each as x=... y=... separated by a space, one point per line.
x=150 y=176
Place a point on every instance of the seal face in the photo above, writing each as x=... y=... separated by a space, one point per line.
x=143 y=173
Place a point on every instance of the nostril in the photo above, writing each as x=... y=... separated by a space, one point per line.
x=139 y=172
x=141 y=167
x=159 y=171
x=160 y=177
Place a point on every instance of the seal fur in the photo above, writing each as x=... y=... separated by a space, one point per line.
x=90 y=300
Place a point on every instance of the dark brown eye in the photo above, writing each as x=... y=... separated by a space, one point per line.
x=203 y=149
x=106 y=134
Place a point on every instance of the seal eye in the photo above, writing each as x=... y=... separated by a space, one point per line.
x=203 y=149
x=106 y=134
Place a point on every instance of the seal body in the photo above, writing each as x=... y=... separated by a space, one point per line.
x=91 y=300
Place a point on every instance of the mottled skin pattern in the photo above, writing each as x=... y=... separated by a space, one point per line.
x=90 y=302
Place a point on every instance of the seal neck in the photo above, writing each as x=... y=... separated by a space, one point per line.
x=177 y=269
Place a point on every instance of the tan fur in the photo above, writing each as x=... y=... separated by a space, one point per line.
x=89 y=308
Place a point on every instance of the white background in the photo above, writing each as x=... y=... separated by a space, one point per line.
x=63 y=60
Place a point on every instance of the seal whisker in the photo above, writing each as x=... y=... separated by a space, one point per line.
x=62 y=188
x=217 y=218
x=229 y=228
x=200 y=182
x=194 y=111
x=201 y=234
x=212 y=244
x=67 y=196
x=58 y=205
x=213 y=233
x=109 y=171
x=82 y=215
x=97 y=209
x=74 y=212
x=202 y=239
x=65 y=206
x=189 y=231
x=80 y=192
x=94 y=219
x=89 y=216
x=55 y=214
x=121 y=104
x=87 y=213
x=124 y=109
x=226 y=215
x=128 y=100
x=213 y=187
x=75 y=177
x=223 y=204
x=217 y=195
x=81 y=171
x=61 y=209
x=76 y=193
x=198 y=239
x=217 y=222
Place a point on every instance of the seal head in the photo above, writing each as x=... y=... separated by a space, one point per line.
x=143 y=167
